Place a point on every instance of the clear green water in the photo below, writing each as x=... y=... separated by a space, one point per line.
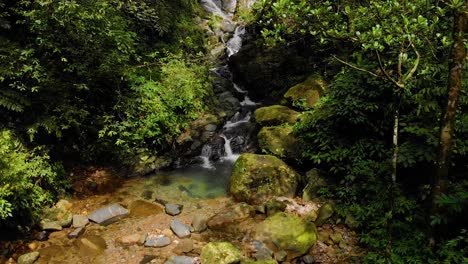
x=196 y=181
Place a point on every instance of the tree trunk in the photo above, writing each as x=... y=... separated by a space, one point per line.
x=457 y=57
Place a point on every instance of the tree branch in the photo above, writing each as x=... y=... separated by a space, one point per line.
x=416 y=63
x=355 y=67
x=399 y=85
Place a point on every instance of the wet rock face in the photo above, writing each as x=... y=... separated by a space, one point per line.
x=220 y=253
x=257 y=178
x=275 y=115
x=287 y=232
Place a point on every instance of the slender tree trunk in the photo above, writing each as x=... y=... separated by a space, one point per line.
x=457 y=57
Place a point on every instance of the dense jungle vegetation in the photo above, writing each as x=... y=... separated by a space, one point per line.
x=103 y=81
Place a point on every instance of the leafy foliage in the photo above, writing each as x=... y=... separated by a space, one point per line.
x=156 y=111
x=379 y=45
x=29 y=180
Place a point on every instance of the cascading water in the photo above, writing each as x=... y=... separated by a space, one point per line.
x=236 y=130
x=235 y=43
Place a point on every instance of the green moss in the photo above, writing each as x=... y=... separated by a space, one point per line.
x=325 y=212
x=256 y=178
x=289 y=232
x=220 y=253
x=306 y=94
x=276 y=115
x=279 y=141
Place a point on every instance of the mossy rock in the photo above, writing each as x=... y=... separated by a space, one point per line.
x=279 y=141
x=324 y=213
x=257 y=178
x=220 y=253
x=287 y=232
x=307 y=93
x=276 y=115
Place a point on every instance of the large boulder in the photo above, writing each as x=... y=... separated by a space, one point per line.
x=220 y=253
x=307 y=93
x=257 y=178
x=288 y=232
x=279 y=141
x=276 y=115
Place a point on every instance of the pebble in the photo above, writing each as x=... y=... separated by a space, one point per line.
x=28 y=258
x=161 y=241
x=108 y=214
x=180 y=229
x=185 y=246
x=173 y=209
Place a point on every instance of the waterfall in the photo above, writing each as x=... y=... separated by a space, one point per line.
x=205 y=157
x=235 y=43
x=213 y=8
x=229 y=155
x=236 y=131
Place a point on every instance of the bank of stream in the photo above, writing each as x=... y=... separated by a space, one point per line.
x=199 y=191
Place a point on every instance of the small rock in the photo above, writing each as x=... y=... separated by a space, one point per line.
x=199 y=223
x=28 y=258
x=108 y=214
x=76 y=233
x=325 y=212
x=129 y=239
x=63 y=205
x=336 y=237
x=185 y=246
x=160 y=241
x=180 y=260
x=80 y=221
x=47 y=224
x=173 y=209
x=180 y=229
x=261 y=209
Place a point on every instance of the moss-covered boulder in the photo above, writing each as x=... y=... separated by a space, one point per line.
x=279 y=141
x=287 y=232
x=307 y=93
x=220 y=253
x=257 y=178
x=276 y=115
